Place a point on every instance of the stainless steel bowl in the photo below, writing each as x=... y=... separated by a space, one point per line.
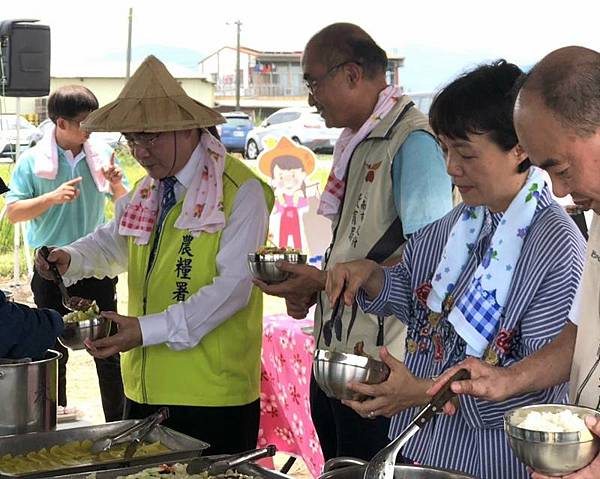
x=351 y=468
x=553 y=453
x=333 y=371
x=75 y=333
x=262 y=266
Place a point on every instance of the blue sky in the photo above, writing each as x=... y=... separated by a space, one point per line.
x=438 y=38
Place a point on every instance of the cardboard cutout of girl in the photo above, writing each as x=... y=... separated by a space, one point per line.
x=288 y=164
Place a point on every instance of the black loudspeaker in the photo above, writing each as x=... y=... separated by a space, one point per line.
x=24 y=58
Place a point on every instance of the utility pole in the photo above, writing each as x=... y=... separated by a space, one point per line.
x=128 y=69
x=237 y=67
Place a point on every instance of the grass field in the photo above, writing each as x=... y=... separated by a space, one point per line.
x=134 y=172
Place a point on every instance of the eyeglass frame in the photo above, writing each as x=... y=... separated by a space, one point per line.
x=312 y=84
x=132 y=142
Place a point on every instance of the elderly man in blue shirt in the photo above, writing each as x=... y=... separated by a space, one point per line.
x=388 y=180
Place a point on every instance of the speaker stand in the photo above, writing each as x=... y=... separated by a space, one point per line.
x=19 y=228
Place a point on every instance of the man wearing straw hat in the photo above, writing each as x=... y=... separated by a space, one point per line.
x=192 y=336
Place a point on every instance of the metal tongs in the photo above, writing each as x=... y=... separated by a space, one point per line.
x=382 y=466
x=219 y=465
x=134 y=435
x=71 y=303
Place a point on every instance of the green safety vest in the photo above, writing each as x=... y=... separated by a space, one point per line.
x=224 y=368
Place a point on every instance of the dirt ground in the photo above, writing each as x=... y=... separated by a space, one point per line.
x=82 y=382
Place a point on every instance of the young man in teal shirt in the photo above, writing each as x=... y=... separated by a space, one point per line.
x=26 y=332
x=60 y=187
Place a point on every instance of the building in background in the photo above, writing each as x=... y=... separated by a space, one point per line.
x=268 y=80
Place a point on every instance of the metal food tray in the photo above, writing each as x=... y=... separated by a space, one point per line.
x=182 y=448
x=250 y=469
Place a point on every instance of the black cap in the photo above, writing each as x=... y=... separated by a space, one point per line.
x=3 y=187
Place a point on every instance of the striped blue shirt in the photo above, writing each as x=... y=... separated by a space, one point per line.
x=542 y=290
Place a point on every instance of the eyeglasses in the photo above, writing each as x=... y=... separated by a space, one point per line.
x=312 y=84
x=145 y=140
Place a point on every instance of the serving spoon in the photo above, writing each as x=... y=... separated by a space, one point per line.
x=382 y=466
x=72 y=303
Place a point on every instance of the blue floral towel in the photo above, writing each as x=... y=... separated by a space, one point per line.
x=476 y=315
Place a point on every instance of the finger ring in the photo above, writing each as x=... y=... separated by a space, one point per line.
x=371 y=415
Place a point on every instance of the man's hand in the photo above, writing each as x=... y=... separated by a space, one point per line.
x=347 y=278
x=304 y=282
x=591 y=471
x=487 y=382
x=400 y=391
x=114 y=175
x=59 y=257
x=129 y=336
x=66 y=192
x=299 y=309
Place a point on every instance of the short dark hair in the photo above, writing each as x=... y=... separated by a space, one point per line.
x=568 y=82
x=346 y=42
x=69 y=101
x=479 y=101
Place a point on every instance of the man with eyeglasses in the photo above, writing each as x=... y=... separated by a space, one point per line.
x=557 y=119
x=60 y=187
x=388 y=180
x=191 y=339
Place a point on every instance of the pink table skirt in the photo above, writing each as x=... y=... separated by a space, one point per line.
x=284 y=399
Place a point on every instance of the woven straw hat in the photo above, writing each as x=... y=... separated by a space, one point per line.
x=152 y=101
x=286 y=147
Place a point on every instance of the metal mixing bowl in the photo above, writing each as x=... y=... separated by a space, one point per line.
x=333 y=371
x=553 y=453
x=75 y=333
x=262 y=266
x=352 y=468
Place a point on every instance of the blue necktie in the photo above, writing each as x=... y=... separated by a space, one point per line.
x=168 y=199
x=166 y=203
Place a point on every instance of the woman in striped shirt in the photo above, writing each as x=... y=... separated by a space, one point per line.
x=494 y=278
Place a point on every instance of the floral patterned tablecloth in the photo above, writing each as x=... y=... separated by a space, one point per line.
x=284 y=399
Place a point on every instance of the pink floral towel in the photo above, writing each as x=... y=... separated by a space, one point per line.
x=345 y=145
x=46 y=163
x=203 y=203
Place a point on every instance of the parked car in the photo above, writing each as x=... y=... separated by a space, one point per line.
x=8 y=135
x=112 y=138
x=304 y=125
x=234 y=132
x=40 y=131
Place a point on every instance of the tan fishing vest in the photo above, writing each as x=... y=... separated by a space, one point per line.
x=587 y=347
x=368 y=217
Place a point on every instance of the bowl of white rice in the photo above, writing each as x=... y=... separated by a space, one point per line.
x=552 y=438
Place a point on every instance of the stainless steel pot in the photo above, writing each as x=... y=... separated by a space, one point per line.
x=28 y=395
x=351 y=468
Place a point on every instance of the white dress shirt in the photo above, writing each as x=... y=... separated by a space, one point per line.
x=183 y=325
